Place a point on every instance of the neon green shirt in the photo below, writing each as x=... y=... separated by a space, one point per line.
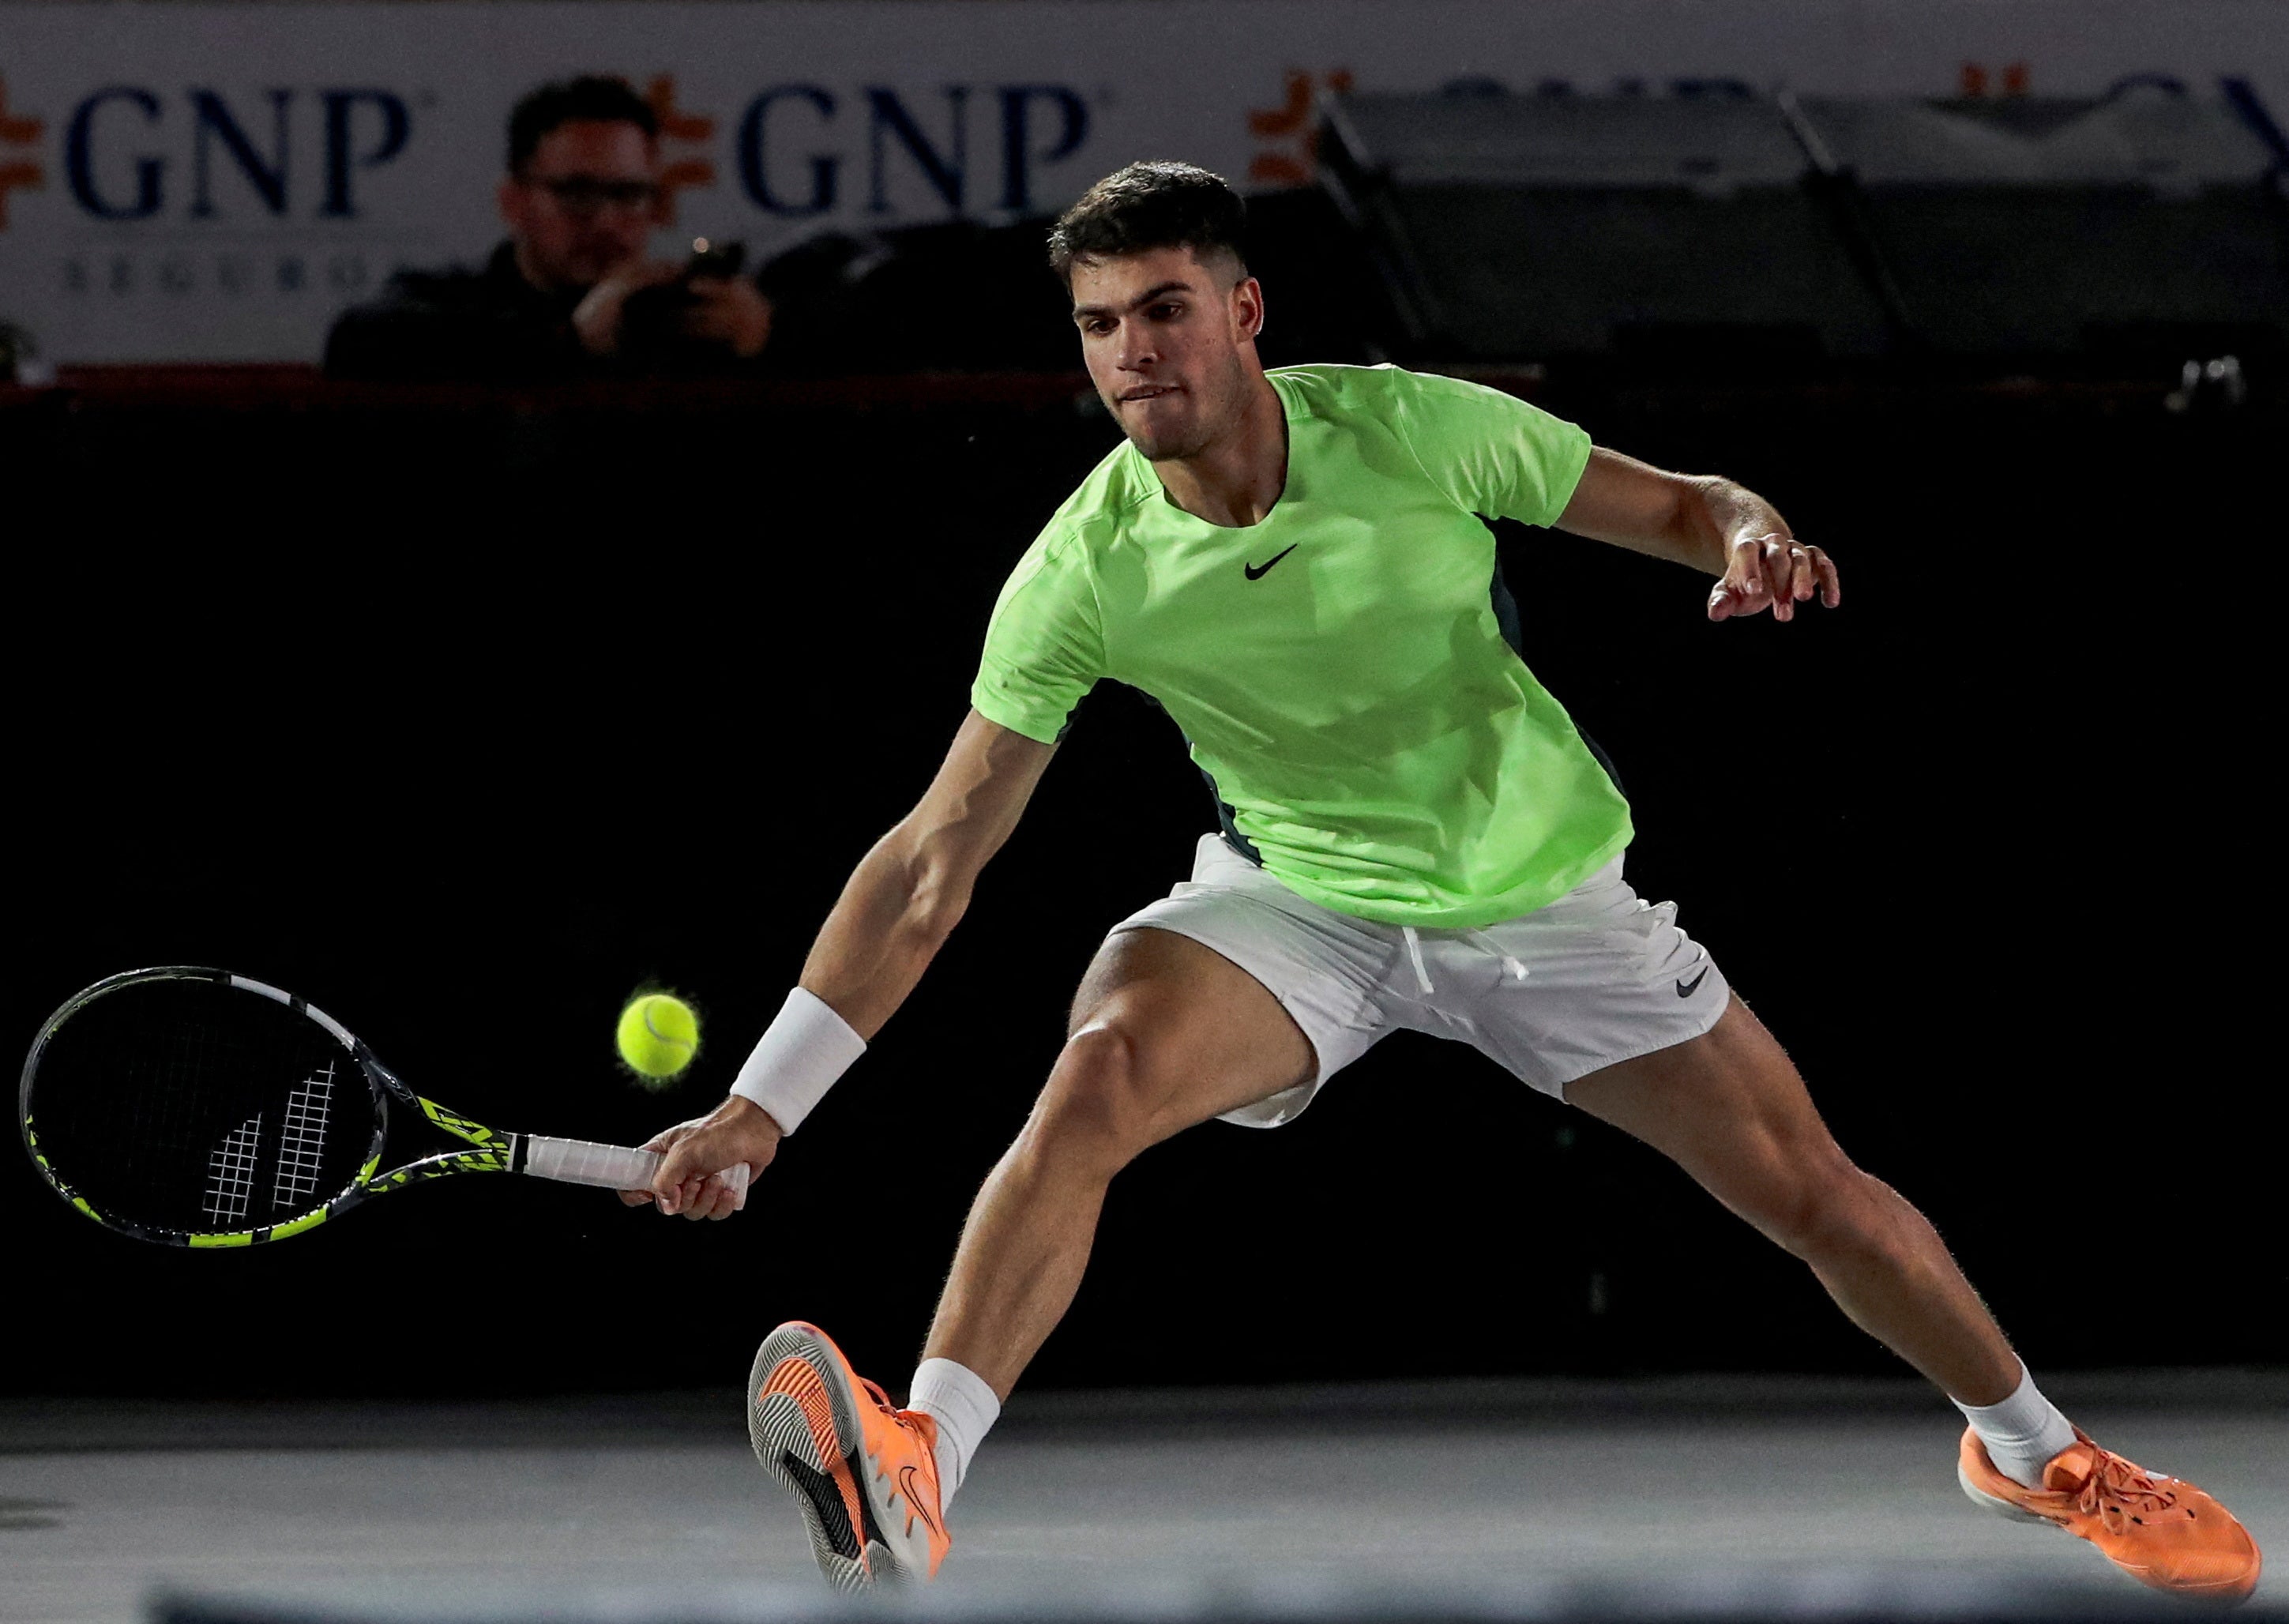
x=1338 y=666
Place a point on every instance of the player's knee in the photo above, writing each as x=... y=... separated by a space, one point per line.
x=1099 y=1101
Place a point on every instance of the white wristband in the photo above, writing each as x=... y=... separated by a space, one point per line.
x=802 y=1053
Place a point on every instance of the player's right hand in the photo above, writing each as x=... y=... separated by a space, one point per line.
x=694 y=1154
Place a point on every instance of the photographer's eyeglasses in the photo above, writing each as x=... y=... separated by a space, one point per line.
x=585 y=197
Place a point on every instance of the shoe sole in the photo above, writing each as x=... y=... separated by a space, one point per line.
x=802 y=1421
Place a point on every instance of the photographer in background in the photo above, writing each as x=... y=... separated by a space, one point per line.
x=571 y=293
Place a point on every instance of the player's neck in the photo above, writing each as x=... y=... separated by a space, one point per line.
x=1235 y=479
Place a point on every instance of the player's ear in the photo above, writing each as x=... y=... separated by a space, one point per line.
x=509 y=198
x=1246 y=308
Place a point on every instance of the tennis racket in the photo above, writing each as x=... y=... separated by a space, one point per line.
x=197 y=1108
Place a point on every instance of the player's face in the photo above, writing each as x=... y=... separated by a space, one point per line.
x=1167 y=339
x=584 y=201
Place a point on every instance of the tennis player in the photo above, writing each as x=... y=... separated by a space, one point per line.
x=1415 y=835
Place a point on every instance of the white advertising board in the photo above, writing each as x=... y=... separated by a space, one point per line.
x=186 y=182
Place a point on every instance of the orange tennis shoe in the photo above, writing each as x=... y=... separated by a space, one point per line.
x=863 y=1472
x=2161 y=1531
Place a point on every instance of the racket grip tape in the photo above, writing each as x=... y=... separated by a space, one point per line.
x=607 y=1167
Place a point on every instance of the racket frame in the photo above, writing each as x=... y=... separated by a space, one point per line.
x=488 y=1152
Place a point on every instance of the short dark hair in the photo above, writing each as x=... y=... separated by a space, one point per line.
x=591 y=96
x=1155 y=204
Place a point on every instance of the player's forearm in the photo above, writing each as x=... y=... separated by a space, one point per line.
x=1689 y=519
x=900 y=904
x=897 y=911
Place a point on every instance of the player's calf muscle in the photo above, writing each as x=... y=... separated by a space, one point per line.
x=1827 y=1210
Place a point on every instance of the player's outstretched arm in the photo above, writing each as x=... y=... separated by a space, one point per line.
x=900 y=904
x=907 y=894
x=1705 y=523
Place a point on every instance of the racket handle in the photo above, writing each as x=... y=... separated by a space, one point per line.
x=607 y=1167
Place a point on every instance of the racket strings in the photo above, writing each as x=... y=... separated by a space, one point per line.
x=302 y=1139
x=192 y=1105
x=139 y=1094
x=230 y=1174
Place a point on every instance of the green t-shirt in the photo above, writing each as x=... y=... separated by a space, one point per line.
x=1338 y=667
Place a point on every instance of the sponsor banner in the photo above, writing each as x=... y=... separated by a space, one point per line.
x=186 y=182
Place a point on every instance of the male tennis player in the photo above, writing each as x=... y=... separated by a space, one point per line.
x=1415 y=835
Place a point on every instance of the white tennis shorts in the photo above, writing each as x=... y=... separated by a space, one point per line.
x=1596 y=977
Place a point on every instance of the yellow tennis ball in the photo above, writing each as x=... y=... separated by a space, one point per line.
x=658 y=1035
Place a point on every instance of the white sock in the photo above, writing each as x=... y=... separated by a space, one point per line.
x=2022 y=1433
x=965 y=1409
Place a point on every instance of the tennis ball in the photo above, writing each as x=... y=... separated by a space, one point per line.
x=658 y=1035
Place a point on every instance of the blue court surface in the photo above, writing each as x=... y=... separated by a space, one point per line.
x=1742 y=1498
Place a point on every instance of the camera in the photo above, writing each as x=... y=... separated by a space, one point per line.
x=715 y=259
x=651 y=321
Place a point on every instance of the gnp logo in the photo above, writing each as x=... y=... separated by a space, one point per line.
x=133 y=153
x=802 y=149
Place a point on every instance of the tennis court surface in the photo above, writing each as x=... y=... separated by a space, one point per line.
x=1739 y=1499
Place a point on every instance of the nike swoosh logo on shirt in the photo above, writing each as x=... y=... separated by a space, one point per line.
x=1256 y=571
x=1685 y=988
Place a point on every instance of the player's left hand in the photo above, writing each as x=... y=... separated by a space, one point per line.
x=1776 y=571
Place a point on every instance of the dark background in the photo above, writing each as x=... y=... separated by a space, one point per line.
x=464 y=714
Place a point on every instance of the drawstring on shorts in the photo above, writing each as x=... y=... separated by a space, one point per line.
x=1415 y=957
x=1512 y=968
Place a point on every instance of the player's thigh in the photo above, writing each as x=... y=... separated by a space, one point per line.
x=1181 y=1032
x=1729 y=1108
